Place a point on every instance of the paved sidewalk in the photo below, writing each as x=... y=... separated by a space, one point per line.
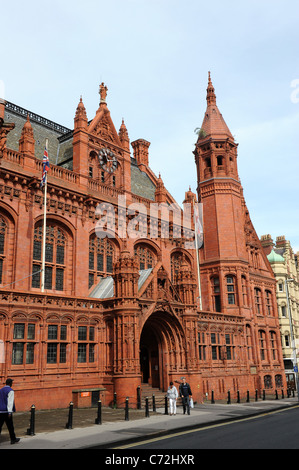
x=50 y=432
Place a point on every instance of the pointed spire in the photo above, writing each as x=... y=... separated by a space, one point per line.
x=213 y=124
x=81 y=117
x=124 y=136
x=27 y=142
x=160 y=193
x=211 y=97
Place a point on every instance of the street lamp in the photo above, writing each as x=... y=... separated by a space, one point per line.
x=295 y=364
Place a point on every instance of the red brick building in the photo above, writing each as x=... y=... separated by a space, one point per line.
x=123 y=310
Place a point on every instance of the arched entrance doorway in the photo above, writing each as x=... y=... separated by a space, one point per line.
x=162 y=351
x=149 y=357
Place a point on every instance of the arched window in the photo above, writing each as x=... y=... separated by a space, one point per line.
x=269 y=307
x=257 y=299
x=208 y=162
x=145 y=256
x=278 y=381
x=262 y=344
x=3 y=231
x=273 y=345
x=102 y=256
x=176 y=261
x=249 y=342
x=268 y=381
x=215 y=284
x=219 y=160
x=244 y=290
x=55 y=257
x=231 y=290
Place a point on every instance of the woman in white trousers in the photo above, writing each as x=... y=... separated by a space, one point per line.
x=172 y=395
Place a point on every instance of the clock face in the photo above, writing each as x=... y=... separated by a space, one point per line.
x=108 y=160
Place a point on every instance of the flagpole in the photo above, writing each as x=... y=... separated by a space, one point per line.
x=198 y=270
x=44 y=231
x=197 y=257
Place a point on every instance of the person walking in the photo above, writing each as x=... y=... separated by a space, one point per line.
x=172 y=395
x=7 y=407
x=185 y=393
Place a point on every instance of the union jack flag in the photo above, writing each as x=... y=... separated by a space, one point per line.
x=46 y=166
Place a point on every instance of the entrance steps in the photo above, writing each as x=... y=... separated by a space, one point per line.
x=148 y=391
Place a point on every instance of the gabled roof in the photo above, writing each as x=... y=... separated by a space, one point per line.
x=102 y=125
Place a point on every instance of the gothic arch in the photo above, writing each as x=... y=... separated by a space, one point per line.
x=184 y=253
x=113 y=238
x=103 y=254
x=67 y=318
x=8 y=224
x=35 y=316
x=163 y=348
x=53 y=317
x=177 y=257
x=19 y=315
x=61 y=221
x=60 y=256
x=152 y=245
x=146 y=253
x=9 y=211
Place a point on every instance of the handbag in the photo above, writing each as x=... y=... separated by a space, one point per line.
x=191 y=403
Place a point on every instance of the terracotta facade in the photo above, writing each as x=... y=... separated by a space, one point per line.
x=124 y=310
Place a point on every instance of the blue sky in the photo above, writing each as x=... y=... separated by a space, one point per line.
x=154 y=56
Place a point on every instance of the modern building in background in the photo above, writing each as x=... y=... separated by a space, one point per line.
x=284 y=263
x=123 y=312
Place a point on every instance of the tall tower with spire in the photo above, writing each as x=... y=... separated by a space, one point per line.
x=236 y=278
x=229 y=237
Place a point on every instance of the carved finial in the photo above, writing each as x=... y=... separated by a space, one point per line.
x=103 y=92
x=211 y=97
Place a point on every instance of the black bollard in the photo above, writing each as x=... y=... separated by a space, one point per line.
x=154 y=403
x=264 y=395
x=238 y=396
x=30 y=431
x=276 y=395
x=166 y=406
x=138 y=398
x=146 y=408
x=212 y=397
x=114 y=400
x=256 y=395
x=228 y=398
x=248 y=398
x=282 y=393
x=127 y=410
x=98 y=419
x=69 y=424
